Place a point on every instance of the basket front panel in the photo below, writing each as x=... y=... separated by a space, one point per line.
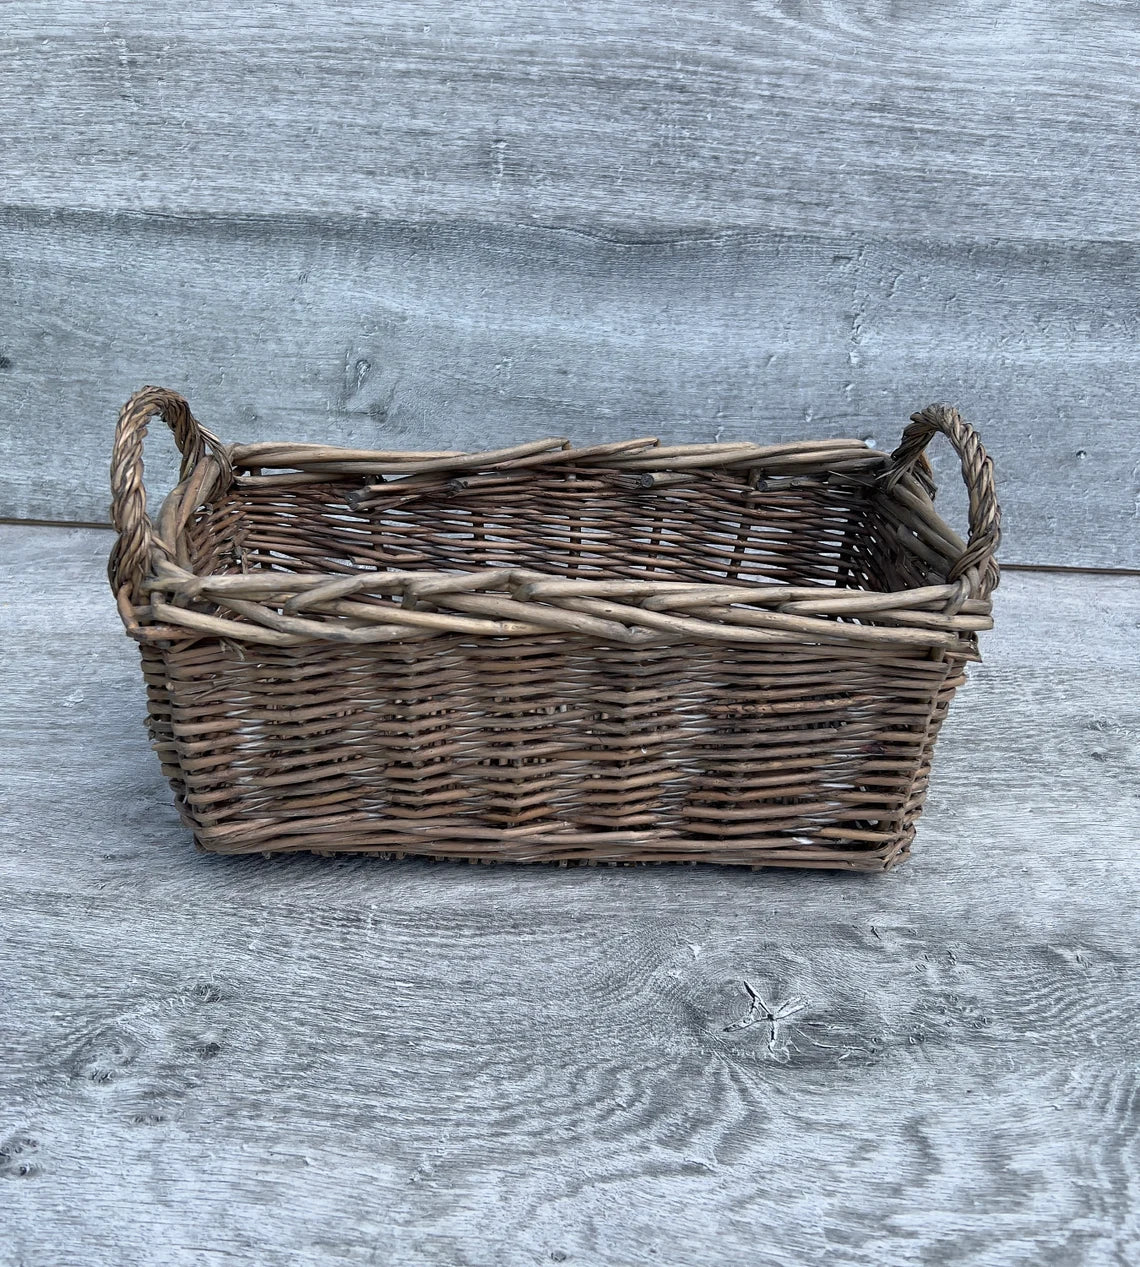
x=548 y=747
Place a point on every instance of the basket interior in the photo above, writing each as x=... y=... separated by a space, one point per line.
x=828 y=531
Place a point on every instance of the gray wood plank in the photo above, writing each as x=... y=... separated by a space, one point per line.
x=470 y=336
x=926 y=118
x=214 y=1060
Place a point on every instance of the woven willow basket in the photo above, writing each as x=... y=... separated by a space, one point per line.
x=628 y=652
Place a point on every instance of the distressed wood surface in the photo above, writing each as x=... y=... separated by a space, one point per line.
x=210 y=1060
x=471 y=336
x=939 y=119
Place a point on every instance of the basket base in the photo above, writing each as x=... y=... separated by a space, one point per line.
x=556 y=850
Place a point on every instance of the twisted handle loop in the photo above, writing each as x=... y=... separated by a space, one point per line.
x=977 y=560
x=130 y=556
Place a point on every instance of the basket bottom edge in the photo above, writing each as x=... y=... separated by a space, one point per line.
x=676 y=852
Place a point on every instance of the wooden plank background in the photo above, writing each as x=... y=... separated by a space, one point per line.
x=213 y=1060
x=917 y=117
x=461 y=225
x=467 y=224
x=466 y=336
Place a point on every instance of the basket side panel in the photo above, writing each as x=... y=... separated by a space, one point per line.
x=542 y=748
x=916 y=799
x=160 y=723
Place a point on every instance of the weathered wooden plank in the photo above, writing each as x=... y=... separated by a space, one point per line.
x=923 y=118
x=211 y=1059
x=462 y=336
x=504 y=1087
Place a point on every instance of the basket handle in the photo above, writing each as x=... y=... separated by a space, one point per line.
x=978 y=472
x=130 y=556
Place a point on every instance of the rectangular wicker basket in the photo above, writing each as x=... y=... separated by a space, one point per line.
x=629 y=652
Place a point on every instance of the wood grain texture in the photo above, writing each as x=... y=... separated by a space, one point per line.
x=939 y=119
x=469 y=336
x=211 y=1060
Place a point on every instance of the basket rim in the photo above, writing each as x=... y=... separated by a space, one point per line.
x=157 y=588
x=288 y=608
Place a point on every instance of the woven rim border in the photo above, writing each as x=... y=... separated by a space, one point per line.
x=154 y=585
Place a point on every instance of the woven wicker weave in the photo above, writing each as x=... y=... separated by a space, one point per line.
x=627 y=652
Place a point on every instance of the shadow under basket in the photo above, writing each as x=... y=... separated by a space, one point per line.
x=622 y=653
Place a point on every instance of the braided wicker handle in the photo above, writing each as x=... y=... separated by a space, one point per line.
x=978 y=472
x=131 y=554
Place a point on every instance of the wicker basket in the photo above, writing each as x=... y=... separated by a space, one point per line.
x=628 y=652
